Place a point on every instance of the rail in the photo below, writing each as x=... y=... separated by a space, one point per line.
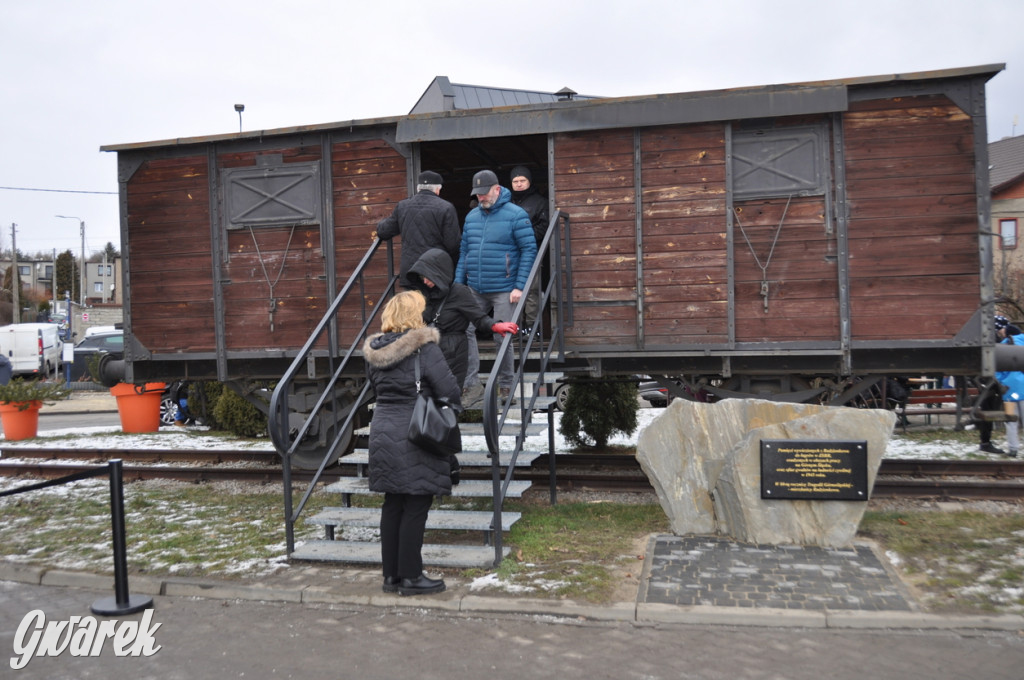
x=287 y=439
x=531 y=348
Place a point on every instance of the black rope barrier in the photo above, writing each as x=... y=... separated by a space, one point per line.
x=85 y=474
x=123 y=602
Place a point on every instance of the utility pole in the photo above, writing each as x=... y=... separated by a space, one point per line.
x=15 y=281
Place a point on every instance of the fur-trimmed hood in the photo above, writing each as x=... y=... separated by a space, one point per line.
x=387 y=349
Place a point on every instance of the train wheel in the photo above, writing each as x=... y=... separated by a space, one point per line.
x=311 y=451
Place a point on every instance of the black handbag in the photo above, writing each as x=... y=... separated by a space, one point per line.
x=434 y=425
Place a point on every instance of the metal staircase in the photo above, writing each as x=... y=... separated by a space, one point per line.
x=505 y=429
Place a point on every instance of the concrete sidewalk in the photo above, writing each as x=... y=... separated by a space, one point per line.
x=304 y=583
x=83 y=401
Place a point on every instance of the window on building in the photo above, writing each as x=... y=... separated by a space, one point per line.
x=97 y=287
x=24 y=270
x=1008 y=234
x=104 y=270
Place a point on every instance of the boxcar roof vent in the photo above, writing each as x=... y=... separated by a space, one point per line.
x=565 y=94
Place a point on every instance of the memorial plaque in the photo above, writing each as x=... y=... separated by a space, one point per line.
x=796 y=469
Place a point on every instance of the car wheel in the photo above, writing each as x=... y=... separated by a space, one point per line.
x=167 y=410
x=561 y=395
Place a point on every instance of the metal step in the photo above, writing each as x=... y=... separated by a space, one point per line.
x=469 y=488
x=358 y=552
x=466 y=458
x=467 y=520
x=511 y=429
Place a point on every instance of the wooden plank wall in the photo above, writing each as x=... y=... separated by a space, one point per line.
x=369 y=180
x=685 y=269
x=594 y=184
x=914 y=262
x=168 y=246
x=259 y=257
x=801 y=271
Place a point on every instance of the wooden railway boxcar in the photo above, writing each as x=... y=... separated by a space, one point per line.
x=760 y=238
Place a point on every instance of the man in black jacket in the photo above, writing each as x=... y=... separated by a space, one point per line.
x=424 y=221
x=536 y=206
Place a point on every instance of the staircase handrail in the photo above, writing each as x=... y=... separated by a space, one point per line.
x=278 y=421
x=493 y=418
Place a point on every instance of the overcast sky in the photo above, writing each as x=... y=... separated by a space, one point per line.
x=78 y=75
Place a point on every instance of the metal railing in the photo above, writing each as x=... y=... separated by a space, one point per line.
x=533 y=348
x=287 y=439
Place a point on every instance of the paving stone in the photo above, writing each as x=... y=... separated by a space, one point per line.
x=698 y=570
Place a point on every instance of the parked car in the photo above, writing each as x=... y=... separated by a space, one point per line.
x=33 y=349
x=111 y=342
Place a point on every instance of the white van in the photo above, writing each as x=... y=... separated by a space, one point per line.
x=34 y=349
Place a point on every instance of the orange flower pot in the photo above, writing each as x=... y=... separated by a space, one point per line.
x=139 y=406
x=20 y=423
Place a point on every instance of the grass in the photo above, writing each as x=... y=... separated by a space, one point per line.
x=957 y=561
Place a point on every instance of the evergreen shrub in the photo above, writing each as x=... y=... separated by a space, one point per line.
x=595 y=410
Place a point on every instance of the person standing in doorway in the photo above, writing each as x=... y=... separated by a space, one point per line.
x=424 y=221
x=536 y=206
x=497 y=251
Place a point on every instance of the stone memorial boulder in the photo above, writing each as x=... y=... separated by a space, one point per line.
x=704 y=461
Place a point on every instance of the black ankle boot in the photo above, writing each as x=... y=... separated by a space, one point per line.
x=422 y=585
x=391 y=584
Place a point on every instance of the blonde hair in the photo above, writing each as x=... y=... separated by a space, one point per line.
x=403 y=312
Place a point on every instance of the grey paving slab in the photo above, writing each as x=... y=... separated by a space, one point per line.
x=695 y=570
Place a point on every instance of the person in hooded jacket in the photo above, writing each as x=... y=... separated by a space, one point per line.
x=407 y=475
x=459 y=308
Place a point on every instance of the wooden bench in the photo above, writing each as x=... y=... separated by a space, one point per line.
x=944 y=401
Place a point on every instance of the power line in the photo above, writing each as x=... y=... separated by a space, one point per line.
x=59 y=191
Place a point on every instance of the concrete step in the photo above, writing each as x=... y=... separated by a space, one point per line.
x=359 y=552
x=469 y=488
x=463 y=520
x=466 y=458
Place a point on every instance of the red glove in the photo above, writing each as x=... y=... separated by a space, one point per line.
x=504 y=327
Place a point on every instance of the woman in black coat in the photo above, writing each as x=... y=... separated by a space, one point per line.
x=432 y=275
x=408 y=476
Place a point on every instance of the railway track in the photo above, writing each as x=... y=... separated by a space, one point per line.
x=906 y=478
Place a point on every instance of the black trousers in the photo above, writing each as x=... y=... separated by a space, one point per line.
x=991 y=402
x=403 y=520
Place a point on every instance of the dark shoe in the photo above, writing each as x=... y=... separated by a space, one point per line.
x=989 y=447
x=506 y=395
x=1012 y=453
x=423 y=585
x=391 y=584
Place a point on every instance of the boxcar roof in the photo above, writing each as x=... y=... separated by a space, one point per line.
x=612 y=112
x=444 y=95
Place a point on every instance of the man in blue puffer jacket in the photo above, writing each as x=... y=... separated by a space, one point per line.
x=495 y=258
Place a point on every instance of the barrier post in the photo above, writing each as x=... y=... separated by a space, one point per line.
x=122 y=603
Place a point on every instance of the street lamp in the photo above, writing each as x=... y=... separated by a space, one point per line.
x=239 y=108
x=81 y=268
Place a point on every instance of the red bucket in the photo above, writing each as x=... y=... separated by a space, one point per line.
x=139 y=406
